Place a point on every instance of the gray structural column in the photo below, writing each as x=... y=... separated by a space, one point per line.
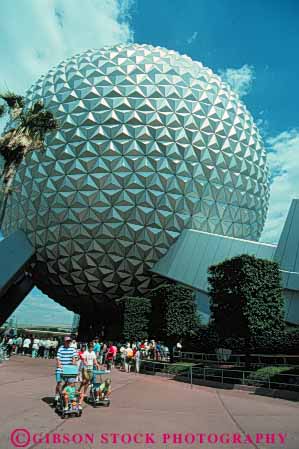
x=287 y=251
x=14 y=296
x=287 y=255
x=15 y=253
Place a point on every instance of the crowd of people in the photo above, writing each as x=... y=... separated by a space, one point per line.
x=31 y=345
x=125 y=355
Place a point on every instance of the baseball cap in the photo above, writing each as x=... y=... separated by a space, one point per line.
x=67 y=338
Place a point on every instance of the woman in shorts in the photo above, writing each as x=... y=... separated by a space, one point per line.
x=89 y=363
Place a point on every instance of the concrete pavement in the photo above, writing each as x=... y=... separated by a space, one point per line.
x=153 y=412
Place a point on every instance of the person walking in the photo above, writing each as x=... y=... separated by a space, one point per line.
x=26 y=345
x=97 y=347
x=41 y=348
x=9 y=346
x=35 y=347
x=66 y=356
x=103 y=352
x=137 y=359
x=19 y=343
x=114 y=348
x=47 y=345
x=109 y=357
x=129 y=358
x=89 y=362
x=122 y=351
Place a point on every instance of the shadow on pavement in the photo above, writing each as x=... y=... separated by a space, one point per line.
x=49 y=400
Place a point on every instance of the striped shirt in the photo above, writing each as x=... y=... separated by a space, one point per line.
x=66 y=356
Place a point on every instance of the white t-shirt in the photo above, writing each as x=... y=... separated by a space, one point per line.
x=47 y=344
x=89 y=359
x=26 y=343
x=35 y=343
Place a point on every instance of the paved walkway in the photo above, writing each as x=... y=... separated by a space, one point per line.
x=141 y=404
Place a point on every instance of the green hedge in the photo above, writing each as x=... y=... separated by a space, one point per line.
x=246 y=298
x=207 y=340
x=136 y=313
x=281 y=377
x=177 y=368
x=174 y=312
x=263 y=374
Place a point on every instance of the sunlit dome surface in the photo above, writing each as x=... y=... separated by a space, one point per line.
x=150 y=143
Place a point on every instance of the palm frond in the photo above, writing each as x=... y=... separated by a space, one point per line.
x=36 y=122
x=2 y=110
x=37 y=107
x=12 y=99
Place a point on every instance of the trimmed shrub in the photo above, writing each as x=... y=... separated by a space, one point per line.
x=136 y=313
x=246 y=300
x=174 y=312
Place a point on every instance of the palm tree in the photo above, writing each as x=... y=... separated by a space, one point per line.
x=25 y=133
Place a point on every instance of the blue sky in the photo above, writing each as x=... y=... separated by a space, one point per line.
x=252 y=45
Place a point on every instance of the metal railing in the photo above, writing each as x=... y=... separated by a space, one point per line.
x=242 y=377
x=193 y=373
x=238 y=359
x=152 y=367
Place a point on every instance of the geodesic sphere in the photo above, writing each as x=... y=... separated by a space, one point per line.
x=150 y=142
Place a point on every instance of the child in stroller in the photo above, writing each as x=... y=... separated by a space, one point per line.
x=72 y=399
x=100 y=392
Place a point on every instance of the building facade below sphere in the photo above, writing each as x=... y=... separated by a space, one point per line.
x=189 y=259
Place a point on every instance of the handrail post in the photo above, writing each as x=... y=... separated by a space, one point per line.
x=191 y=377
x=204 y=373
x=269 y=381
x=222 y=375
x=243 y=378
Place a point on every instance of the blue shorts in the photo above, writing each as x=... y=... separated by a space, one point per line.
x=58 y=376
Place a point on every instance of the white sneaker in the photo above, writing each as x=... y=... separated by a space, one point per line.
x=56 y=398
x=66 y=409
x=97 y=400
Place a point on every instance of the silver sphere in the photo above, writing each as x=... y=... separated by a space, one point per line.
x=150 y=142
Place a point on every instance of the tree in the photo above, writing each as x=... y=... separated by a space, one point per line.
x=174 y=315
x=246 y=299
x=136 y=312
x=25 y=132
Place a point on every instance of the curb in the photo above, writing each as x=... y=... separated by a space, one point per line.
x=273 y=393
x=269 y=392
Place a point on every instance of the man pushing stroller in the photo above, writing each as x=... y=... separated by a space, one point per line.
x=66 y=356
